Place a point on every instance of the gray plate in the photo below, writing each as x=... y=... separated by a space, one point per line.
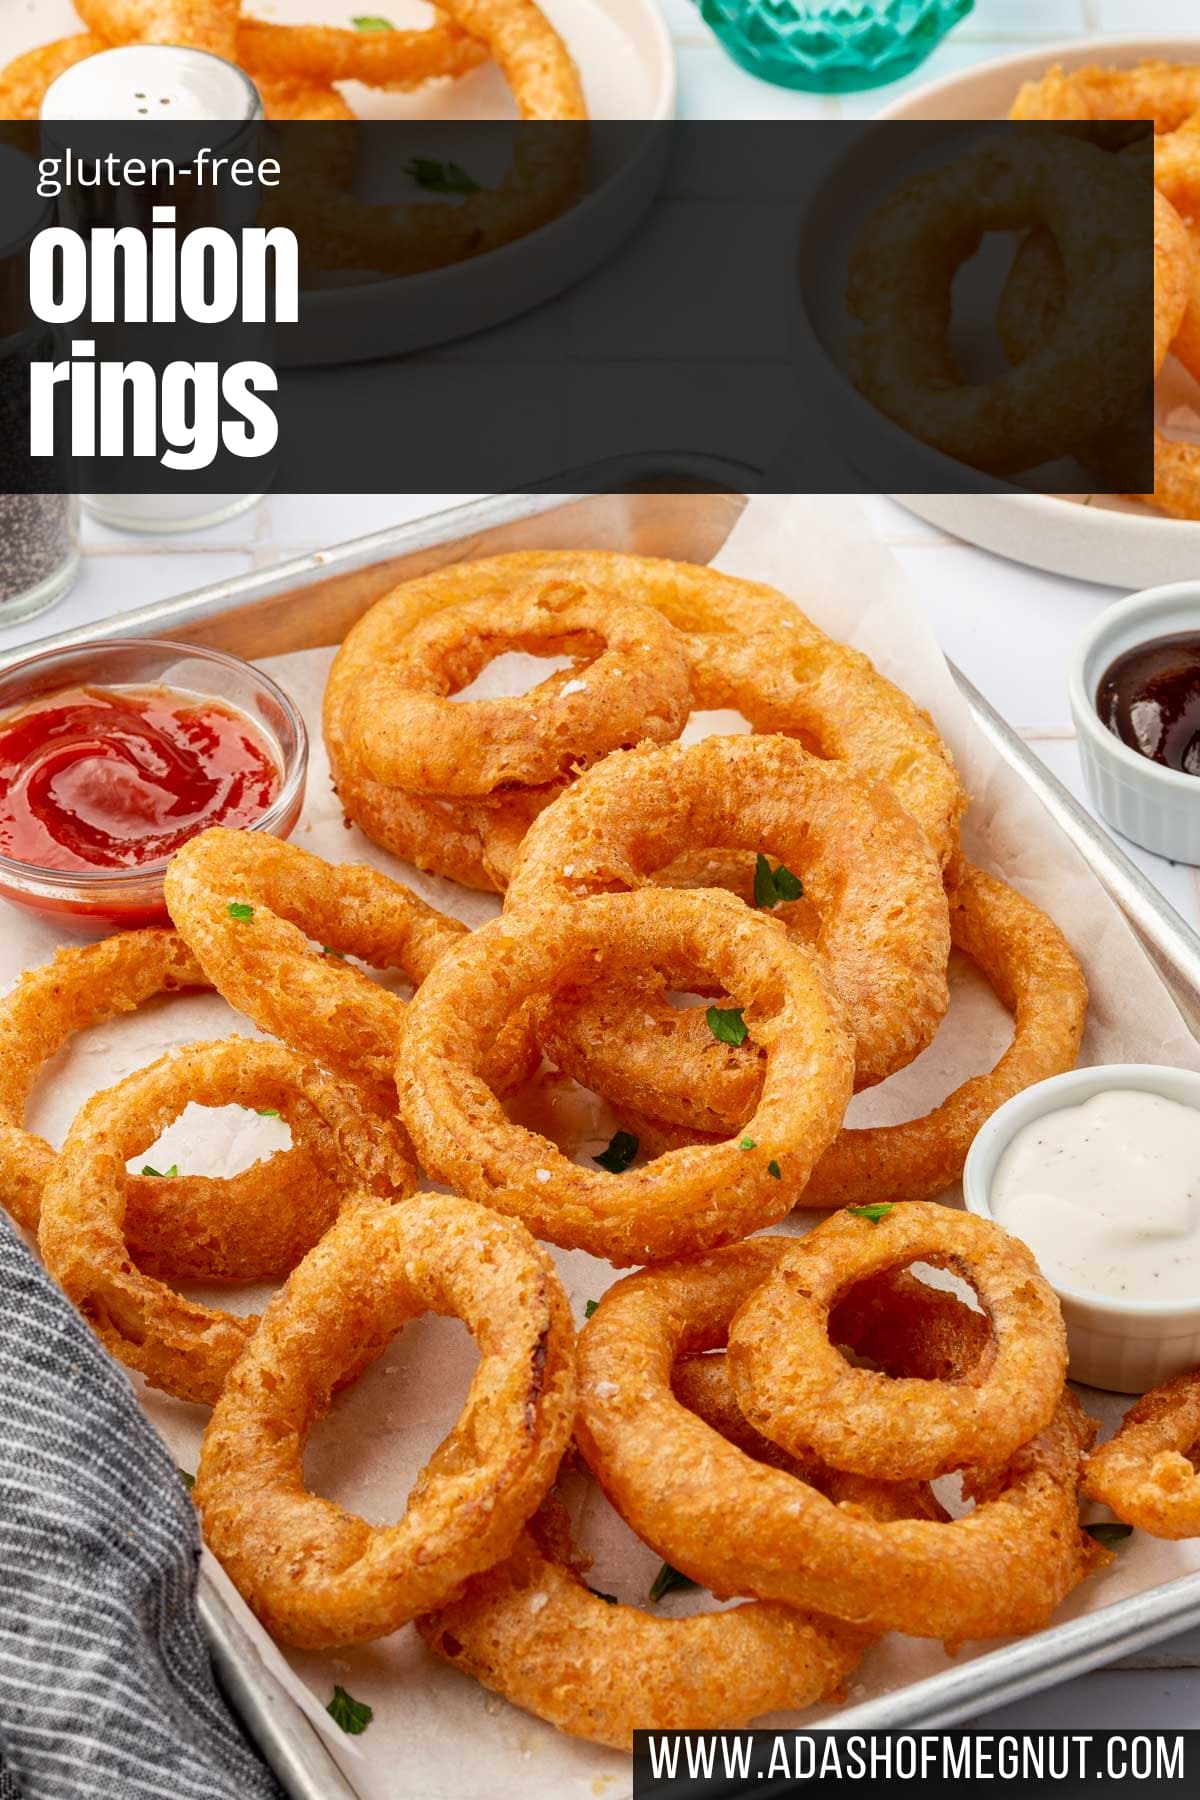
x=314 y=600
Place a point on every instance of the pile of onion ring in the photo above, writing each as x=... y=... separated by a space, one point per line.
x=1085 y=374
x=1059 y=192
x=747 y=649
x=803 y=879
x=1168 y=94
x=296 y=69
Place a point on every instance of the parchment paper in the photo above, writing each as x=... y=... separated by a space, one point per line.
x=436 y=1735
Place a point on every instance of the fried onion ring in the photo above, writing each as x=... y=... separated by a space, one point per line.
x=1086 y=376
x=894 y=1321
x=740 y=1528
x=1031 y=302
x=702 y=1385
x=473 y=842
x=530 y=55
x=533 y=1631
x=631 y=683
x=265 y=964
x=179 y=1346
x=883 y=935
x=1033 y=971
x=1035 y=287
x=315 y=1574
x=1177 y=177
x=320 y=54
x=315 y=197
x=797 y=1388
x=289 y=97
x=212 y=26
x=254 y=1226
x=692 y=1198
x=308 y=55
x=1167 y=93
x=23 y=81
x=1147 y=1474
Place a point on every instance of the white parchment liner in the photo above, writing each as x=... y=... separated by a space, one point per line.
x=436 y=1735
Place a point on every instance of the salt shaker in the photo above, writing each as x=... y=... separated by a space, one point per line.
x=170 y=83
x=39 y=533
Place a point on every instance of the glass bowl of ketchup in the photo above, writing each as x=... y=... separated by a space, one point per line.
x=116 y=752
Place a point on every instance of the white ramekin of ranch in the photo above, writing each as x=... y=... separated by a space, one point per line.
x=1098 y=1171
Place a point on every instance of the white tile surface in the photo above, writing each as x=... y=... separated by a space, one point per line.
x=112 y=583
x=1160 y=16
x=1009 y=628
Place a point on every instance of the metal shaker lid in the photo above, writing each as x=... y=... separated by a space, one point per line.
x=22 y=215
x=167 y=82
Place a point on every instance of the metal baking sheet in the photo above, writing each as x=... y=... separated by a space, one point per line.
x=312 y=601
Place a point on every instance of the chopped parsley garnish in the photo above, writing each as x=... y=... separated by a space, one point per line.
x=1108 y=1532
x=622 y=1149
x=774 y=1169
x=440 y=177
x=239 y=910
x=328 y=950
x=878 y=1209
x=371 y=22
x=748 y=1143
x=352 y=1715
x=666 y=1582
x=189 y=1481
x=590 y=1308
x=727 y=1024
x=267 y=1112
x=771 y=886
x=149 y=1169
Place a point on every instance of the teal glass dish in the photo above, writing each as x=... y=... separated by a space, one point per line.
x=834 y=48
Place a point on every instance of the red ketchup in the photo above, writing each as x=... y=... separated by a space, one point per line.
x=95 y=778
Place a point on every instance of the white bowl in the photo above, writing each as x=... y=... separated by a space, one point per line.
x=1157 y=807
x=1100 y=538
x=1125 y=1346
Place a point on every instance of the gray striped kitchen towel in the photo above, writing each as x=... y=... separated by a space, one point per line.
x=106 y=1690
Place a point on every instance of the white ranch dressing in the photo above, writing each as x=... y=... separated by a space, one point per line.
x=1107 y=1195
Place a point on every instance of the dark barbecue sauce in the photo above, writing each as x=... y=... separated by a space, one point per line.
x=1150 y=698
